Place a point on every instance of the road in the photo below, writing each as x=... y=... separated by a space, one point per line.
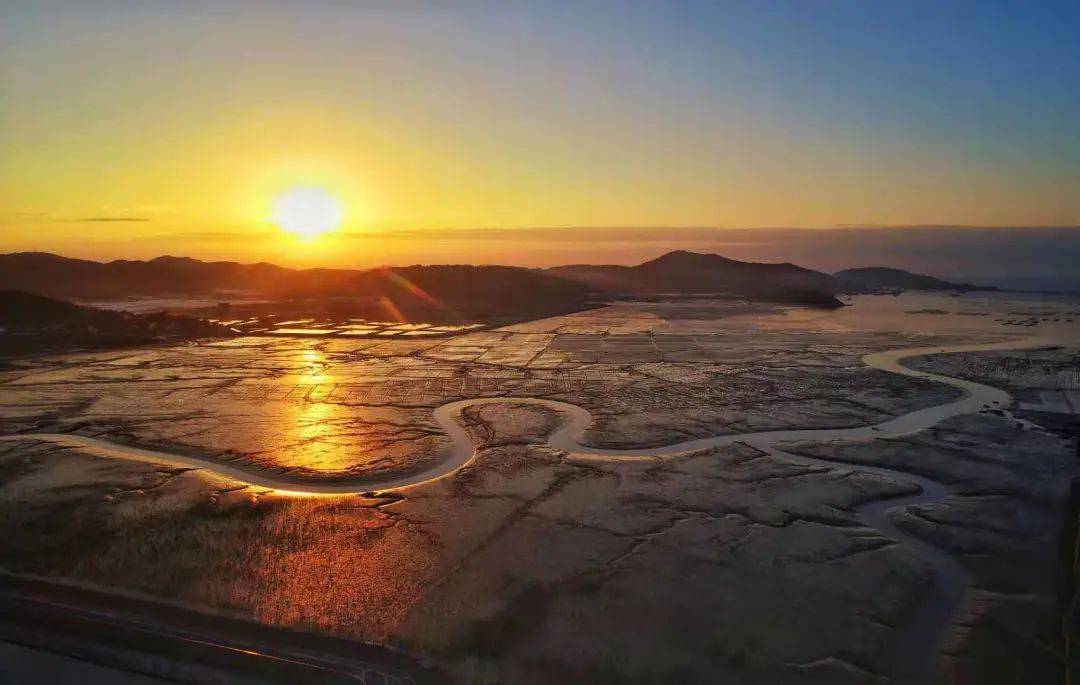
x=52 y=632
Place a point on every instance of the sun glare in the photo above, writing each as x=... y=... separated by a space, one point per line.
x=306 y=211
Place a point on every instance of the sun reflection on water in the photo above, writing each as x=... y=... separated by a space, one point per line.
x=313 y=427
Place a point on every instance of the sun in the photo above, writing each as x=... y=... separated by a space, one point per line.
x=307 y=211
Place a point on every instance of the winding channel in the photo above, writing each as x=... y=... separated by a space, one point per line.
x=913 y=660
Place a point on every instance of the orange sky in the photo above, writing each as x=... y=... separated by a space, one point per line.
x=131 y=131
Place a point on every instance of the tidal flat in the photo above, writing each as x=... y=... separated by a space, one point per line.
x=527 y=564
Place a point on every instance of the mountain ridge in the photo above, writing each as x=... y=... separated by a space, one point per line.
x=682 y=271
x=498 y=288
x=455 y=286
x=869 y=279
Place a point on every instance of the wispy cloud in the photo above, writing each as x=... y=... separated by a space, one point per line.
x=112 y=219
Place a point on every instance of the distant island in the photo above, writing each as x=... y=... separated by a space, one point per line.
x=694 y=273
x=880 y=278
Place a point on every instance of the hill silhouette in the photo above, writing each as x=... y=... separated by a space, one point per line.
x=686 y=272
x=439 y=291
x=444 y=291
x=35 y=323
x=872 y=278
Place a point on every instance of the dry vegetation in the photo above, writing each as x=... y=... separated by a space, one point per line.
x=180 y=536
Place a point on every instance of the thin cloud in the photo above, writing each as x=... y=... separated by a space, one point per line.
x=112 y=219
x=222 y=236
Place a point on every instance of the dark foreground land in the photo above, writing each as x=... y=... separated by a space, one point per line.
x=34 y=324
x=172 y=644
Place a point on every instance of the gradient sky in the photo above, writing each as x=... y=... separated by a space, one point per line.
x=136 y=128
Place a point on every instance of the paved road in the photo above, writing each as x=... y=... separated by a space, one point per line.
x=21 y=665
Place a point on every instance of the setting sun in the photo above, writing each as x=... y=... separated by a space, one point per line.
x=306 y=211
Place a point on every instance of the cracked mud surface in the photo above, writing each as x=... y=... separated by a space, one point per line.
x=335 y=409
x=730 y=565
x=1001 y=523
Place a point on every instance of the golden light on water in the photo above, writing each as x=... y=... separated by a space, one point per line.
x=306 y=211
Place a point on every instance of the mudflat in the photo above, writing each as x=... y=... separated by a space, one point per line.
x=746 y=482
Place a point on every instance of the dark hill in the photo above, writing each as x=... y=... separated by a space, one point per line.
x=35 y=323
x=25 y=310
x=682 y=272
x=468 y=291
x=874 y=278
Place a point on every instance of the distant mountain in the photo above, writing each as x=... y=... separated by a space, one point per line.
x=36 y=323
x=419 y=292
x=682 y=272
x=453 y=291
x=874 y=278
x=49 y=274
